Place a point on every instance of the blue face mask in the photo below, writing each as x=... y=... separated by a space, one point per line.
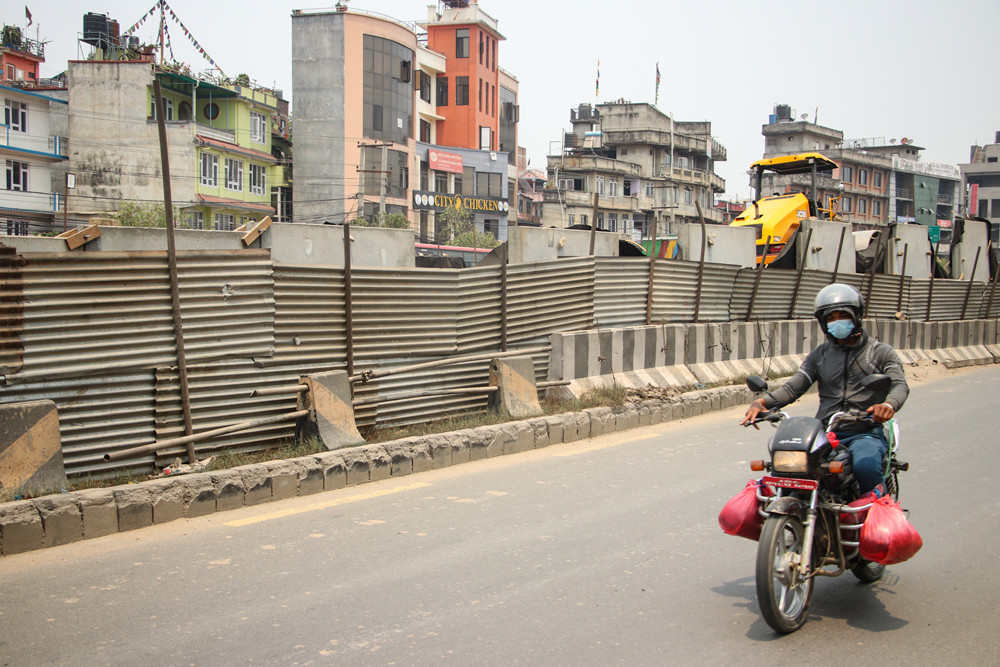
x=840 y=329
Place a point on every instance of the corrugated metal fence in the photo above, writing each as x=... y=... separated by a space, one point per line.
x=93 y=331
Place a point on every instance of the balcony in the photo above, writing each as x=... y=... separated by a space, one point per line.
x=590 y=163
x=53 y=148
x=904 y=193
x=214 y=133
x=657 y=137
x=12 y=38
x=36 y=202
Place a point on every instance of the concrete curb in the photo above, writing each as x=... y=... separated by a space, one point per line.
x=69 y=517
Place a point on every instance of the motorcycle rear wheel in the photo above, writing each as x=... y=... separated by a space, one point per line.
x=782 y=595
x=868 y=571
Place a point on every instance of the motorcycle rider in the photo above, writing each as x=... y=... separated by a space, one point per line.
x=838 y=365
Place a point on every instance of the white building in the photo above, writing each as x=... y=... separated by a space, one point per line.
x=30 y=152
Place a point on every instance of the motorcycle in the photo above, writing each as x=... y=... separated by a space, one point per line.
x=812 y=509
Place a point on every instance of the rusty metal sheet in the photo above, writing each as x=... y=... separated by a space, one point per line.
x=620 y=288
x=11 y=311
x=97 y=313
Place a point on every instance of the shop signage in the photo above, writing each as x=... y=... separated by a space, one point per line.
x=441 y=161
x=438 y=201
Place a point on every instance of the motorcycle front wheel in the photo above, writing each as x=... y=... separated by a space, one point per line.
x=782 y=593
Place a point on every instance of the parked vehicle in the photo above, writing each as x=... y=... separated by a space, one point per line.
x=812 y=513
x=777 y=218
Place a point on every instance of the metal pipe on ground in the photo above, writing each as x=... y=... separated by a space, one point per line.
x=205 y=435
x=385 y=372
x=423 y=394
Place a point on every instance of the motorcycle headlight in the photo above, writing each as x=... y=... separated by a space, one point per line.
x=791 y=462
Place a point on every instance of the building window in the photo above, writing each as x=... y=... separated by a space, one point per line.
x=876 y=208
x=612 y=222
x=17 y=175
x=688 y=196
x=847 y=174
x=983 y=208
x=258 y=176
x=15 y=115
x=482 y=47
x=862 y=206
x=600 y=186
x=234 y=174
x=258 y=128
x=168 y=107
x=492 y=226
x=649 y=188
x=877 y=179
x=462 y=91
x=209 y=170
x=225 y=222
x=425 y=131
x=612 y=187
x=388 y=94
x=17 y=228
x=440 y=181
x=572 y=219
x=485 y=138
x=462 y=43
x=862 y=177
x=442 y=91
x=425 y=86
x=195 y=219
x=846 y=205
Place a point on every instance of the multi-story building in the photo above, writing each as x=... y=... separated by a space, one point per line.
x=877 y=181
x=218 y=137
x=634 y=166
x=379 y=99
x=981 y=185
x=30 y=143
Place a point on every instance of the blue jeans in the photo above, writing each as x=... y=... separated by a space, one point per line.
x=867 y=450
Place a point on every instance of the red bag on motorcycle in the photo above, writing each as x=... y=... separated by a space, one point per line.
x=740 y=516
x=887 y=537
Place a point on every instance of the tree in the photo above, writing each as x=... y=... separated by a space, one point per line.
x=458 y=228
x=143 y=214
x=390 y=220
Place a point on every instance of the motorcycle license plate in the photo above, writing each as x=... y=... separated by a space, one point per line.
x=792 y=483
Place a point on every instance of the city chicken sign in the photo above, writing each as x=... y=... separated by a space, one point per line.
x=438 y=201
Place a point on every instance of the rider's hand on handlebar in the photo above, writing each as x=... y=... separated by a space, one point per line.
x=754 y=411
x=882 y=412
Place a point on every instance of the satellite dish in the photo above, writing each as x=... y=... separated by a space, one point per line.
x=804 y=116
x=904 y=140
x=892 y=141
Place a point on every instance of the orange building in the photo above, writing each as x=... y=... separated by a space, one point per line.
x=468 y=38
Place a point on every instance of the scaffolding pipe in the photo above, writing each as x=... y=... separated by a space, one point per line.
x=204 y=435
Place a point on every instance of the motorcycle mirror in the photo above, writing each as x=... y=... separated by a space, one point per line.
x=877 y=382
x=756 y=383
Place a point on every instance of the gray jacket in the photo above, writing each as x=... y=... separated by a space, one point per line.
x=839 y=369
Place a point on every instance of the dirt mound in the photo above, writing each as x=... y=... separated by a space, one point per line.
x=637 y=395
x=925 y=370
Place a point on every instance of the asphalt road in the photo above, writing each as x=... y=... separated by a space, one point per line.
x=601 y=552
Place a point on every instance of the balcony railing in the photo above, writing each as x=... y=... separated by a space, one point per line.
x=904 y=193
x=49 y=146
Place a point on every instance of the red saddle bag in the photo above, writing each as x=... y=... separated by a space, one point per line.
x=740 y=516
x=887 y=537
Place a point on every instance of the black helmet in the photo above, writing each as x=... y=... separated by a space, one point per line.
x=838 y=296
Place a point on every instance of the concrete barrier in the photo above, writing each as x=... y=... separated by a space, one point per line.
x=30 y=448
x=331 y=416
x=516 y=396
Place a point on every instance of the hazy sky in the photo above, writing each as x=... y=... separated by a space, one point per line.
x=921 y=69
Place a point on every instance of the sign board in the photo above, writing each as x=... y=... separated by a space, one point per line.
x=441 y=161
x=438 y=201
x=934 y=232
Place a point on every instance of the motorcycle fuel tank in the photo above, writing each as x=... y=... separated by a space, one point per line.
x=799 y=434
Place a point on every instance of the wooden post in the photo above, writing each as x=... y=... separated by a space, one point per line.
x=593 y=226
x=175 y=298
x=348 y=304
